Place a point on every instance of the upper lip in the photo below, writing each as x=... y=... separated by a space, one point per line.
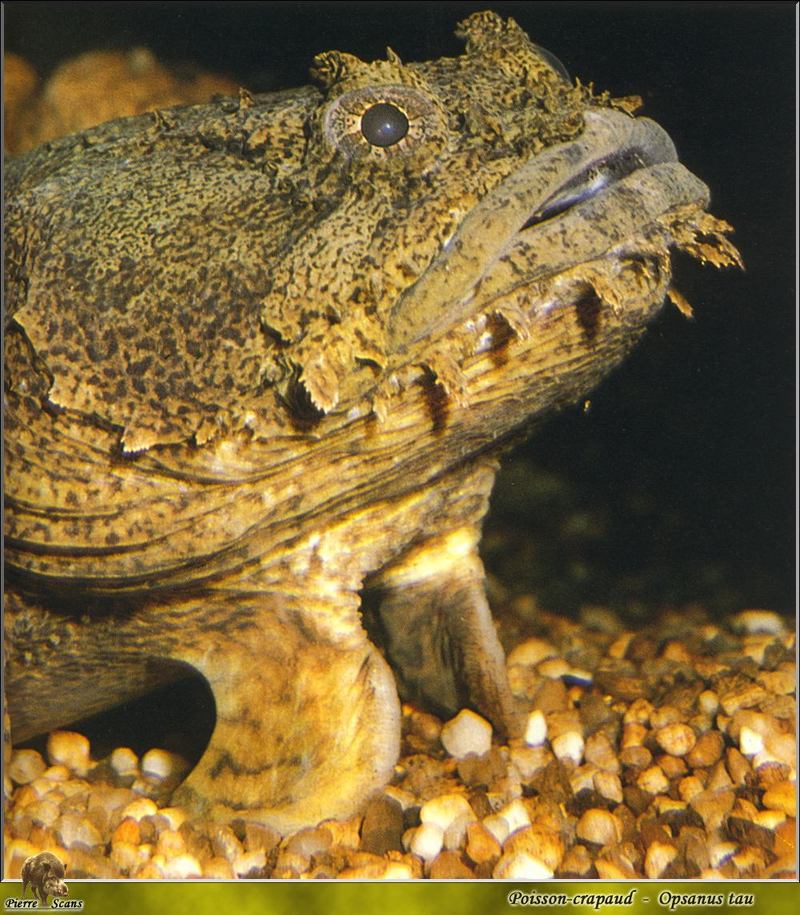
x=588 y=182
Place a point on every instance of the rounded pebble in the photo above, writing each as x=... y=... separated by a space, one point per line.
x=181 y=867
x=160 y=765
x=25 y=766
x=553 y=668
x=521 y=866
x=467 y=734
x=535 y=729
x=568 y=746
x=445 y=809
x=653 y=781
x=676 y=739
x=516 y=815
x=599 y=826
x=70 y=749
x=427 y=841
x=782 y=796
x=73 y=830
x=141 y=807
x=754 y=621
x=124 y=761
x=481 y=846
x=530 y=652
x=497 y=826
x=750 y=741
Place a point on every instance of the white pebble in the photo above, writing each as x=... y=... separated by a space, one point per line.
x=181 y=867
x=397 y=870
x=427 y=841
x=141 y=807
x=467 y=734
x=160 y=765
x=124 y=761
x=521 y=866
x=759 y=621
x=750 y=741
x=516 y=815
x=445 y=809
x=535 y=729
x=70 y=749
x=497 y=826
x=456 y=833
x=568 y=746
x=25 y=766
x=708 y=702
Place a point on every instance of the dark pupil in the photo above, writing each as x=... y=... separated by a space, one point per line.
x=384 y=125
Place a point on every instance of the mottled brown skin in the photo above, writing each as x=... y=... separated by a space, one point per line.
x=256 y=364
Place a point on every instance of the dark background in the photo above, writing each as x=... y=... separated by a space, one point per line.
x=679 y=483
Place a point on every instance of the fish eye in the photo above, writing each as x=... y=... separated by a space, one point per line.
x=384 y=124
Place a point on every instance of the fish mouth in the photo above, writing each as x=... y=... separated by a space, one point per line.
x=592 y=180
x=571 y=204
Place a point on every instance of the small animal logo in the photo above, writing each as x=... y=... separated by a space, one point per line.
x=44 y=873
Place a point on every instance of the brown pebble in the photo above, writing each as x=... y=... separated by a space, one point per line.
x=738 y=766
x=482 y=771
x=382 y=828
x=786 y=838
x=782 y=796
x=551 y=697
x=600 y=752
x=425 y=726
x=636 y=757
x=672 y=766
x=482 y=847
x=614 y=867
x=260 y=838
x=540 y=844
x=713 y=806
x=127 y=831
x=746 y=832
x=634 y=735
x=599 y=827
x=658 y=857
x=449 y=865
x=576 y=864
x=707 y=750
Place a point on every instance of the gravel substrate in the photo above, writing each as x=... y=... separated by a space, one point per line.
x=666 y=753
